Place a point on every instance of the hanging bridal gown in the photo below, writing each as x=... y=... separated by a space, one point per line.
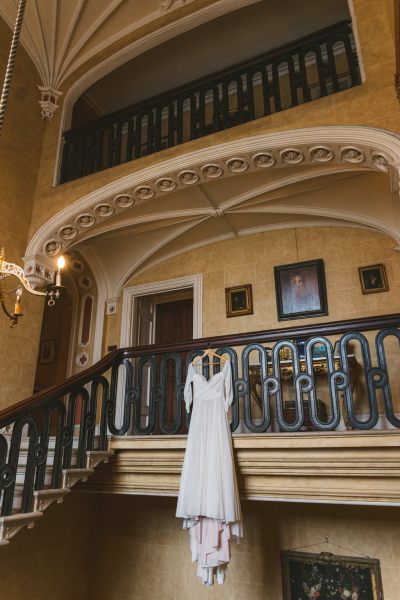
x=208 y=496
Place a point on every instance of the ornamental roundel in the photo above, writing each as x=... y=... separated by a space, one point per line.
x=212 y=171
x=144 y=192
x=85 y=220
x=321 y=154
x=188 y=177
x=291 y=156
x=81 y=359
x=52 y=247
x=380 y=162
x=352 y=155
x=263 y=160
x=68 y=232
x=123 y=201
x=237 y=165
x=104 y=210
x=166 y=184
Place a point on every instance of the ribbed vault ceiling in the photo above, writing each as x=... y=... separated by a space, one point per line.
x=167 y=226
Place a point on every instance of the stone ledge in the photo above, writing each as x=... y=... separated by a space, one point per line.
x=352 y=467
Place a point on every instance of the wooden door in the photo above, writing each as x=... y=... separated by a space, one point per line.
x=174 y=323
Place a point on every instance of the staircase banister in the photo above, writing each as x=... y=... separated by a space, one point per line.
x=41 y=398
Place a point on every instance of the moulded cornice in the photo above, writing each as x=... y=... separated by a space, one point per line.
x=356 y=147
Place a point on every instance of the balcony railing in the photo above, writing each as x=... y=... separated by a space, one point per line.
x=315 y=66
x=341 y=375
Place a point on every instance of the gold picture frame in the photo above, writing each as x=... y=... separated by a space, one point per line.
x=373 y=279
x=239 y=300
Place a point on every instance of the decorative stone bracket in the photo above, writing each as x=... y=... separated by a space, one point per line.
x=48 y=101
x=39 y=271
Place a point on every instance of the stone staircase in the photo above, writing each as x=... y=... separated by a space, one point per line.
x=42 y=499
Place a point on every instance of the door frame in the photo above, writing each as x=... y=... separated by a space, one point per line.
x=130 y=295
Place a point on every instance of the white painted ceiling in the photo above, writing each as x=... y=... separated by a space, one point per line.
x=220 y=43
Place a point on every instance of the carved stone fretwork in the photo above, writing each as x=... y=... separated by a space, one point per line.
x=95 y=457
x=352 y=467
x=42 y=499
x=71 y=476
x=9 y=526
x=39 y=271
x=48 y=102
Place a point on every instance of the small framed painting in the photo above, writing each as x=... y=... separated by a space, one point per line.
x=239 y=300
x=373 y=279
x=47 y=351
x=326 y=576
x=301 y=290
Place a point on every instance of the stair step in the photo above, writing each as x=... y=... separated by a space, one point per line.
x=95 y=457
x=72 y=476
x=9 y=526
x=43 y=498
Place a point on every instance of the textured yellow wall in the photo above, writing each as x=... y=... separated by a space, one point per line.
x=373 y=104
x=20 y=148
x=251 y=259
x=107 y=547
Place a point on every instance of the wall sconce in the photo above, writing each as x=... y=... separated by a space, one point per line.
x=7 y=269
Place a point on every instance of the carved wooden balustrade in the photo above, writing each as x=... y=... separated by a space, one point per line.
x=312 y=67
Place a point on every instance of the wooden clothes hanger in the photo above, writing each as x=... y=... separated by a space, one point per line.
x=210 y=353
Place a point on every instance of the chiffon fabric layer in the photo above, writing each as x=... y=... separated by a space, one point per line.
x=208 y=496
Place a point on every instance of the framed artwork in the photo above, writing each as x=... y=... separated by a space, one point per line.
x=47 y=350
x=301 y=290
x=326 y=576
x=239 y=300
x=373 y=279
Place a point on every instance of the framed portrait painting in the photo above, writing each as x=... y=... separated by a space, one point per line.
x=326 y=576
x=239 y=300
x=301 y=290
x=373 y=279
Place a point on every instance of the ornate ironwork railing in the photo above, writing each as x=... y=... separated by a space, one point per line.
x=315 y=377
x=314 y=66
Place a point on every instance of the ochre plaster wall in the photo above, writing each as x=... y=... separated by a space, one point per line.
x=251 y=259
x=106 y=547
x=373 y=104
x=20 y=149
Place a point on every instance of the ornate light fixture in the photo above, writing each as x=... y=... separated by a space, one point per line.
x=11 y=269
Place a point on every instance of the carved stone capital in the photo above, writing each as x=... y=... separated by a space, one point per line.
x=48 y=102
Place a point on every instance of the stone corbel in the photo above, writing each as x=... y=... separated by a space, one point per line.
x=48 y=101
x=166 y=5
x=39 y=272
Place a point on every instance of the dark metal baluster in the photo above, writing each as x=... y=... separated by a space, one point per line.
x=138 y=391
x=177 y=417
x=68 y=432
x=301 y=385
x=55 y=407
x=86 y=423
x=382 y=373
x=369 y=375
x=337 y=381
x=99 y=382
x=303 y=74
x=264 y=406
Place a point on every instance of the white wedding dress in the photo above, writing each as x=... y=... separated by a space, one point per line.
x=208 y=496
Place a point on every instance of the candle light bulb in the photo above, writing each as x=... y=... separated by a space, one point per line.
x=17 y=306
x=60 y=265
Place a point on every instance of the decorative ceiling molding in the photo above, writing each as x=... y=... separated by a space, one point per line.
x=61 y=36
x=357 y=147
